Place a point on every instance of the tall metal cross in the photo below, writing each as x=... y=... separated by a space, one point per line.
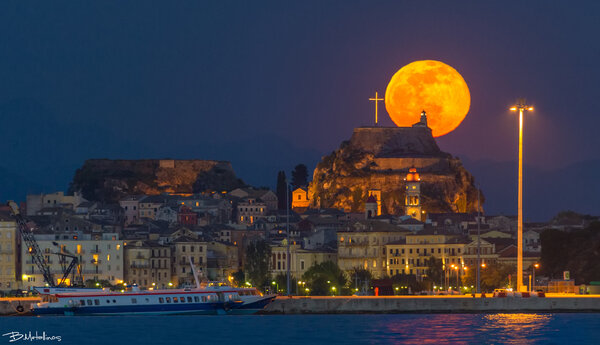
x=376 y=100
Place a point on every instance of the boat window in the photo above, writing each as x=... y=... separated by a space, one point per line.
x=114 y=301
x=196 y=299
x=161 y=300
x=97 y=302
x=89 y=302
x=189 y=299
x=134 y=300
x=147 y=300
x=168 y=299
x=204 y=298
x=175 y=300
x=81 y=302
x=107 y=301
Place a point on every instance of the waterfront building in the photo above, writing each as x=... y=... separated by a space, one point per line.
x=362 y=245
x=411 y=255
x=186 y=248
x=100 y=255
x=222 y=260
x=300 y=259
x=148 y=264
x=10 y=265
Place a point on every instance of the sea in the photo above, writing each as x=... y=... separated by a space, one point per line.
x=386 y=329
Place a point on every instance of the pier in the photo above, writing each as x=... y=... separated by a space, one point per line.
x=432 y=304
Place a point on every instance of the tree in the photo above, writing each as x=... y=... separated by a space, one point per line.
x=239 y=278
x=493 y=276
x=281 y=190
x=324 y=278
x=299 y=176
x=406 y=283
x=281 y=284
x=359 y=278
x=435 y=270
x=258 y=254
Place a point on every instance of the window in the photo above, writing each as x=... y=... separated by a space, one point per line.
x=410 y=251
x=161 y=300
x=301 y=264
x=175 y=300
x=89 y=302
x=192 y=249
x=189 y=299
x=196 y=299
x=81 y=302
x=168 y=299
x=107 y=301
x=134 y=301
x=204 y=298
x=97 y=302
x=182 y=299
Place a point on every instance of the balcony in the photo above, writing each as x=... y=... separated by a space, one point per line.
x=139 y=266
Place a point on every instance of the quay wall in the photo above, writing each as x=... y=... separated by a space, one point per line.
x=426 y=304
x=13 y=306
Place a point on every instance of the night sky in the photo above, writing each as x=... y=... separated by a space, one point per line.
x=269 y=85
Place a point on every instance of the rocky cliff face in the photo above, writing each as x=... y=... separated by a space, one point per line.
x=109 y=180
x=379 y=158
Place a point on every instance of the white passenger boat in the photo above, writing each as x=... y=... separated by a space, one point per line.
x=171 y=301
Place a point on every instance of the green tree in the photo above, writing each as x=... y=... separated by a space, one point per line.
x=493 y=276
x=435 y=270
x=258 y=254
x=324 y=279
x=402 y=282
x=239 y=278
x=299 y=176
x=359 y=278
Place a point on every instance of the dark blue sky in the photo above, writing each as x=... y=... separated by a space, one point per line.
x=270 y=84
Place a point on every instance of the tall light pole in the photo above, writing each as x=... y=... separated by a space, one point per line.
x=520 y=107
x=478 y=239
x=287 y=228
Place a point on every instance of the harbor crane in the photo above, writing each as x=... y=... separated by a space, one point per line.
x=37 y=256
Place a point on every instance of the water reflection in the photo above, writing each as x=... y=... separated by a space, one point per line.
x=515 y=328
x=460 y=329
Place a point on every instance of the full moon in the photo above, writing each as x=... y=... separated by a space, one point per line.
x=432 y=86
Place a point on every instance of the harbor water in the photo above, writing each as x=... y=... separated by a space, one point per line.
x=565 y=328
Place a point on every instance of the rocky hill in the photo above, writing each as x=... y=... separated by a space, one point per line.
x=109 y=180
x=379 y=158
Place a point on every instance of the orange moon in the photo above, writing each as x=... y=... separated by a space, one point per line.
x=432 y=86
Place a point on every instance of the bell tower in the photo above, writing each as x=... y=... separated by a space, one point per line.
x=412 y=202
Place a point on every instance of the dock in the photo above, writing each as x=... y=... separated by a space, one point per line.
x=432 y=304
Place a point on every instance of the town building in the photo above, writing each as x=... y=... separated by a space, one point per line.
x=100 y=256
x=362 y=245
x=250 y=210
x=300 y=200
x=147 y=264
x=10 y=260
x=300 y=259
x=37 y=202
x=411 y=255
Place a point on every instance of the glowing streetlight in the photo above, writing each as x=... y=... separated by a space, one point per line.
x=520 y=107
x=533 y=269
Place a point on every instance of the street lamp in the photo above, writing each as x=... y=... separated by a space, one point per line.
x=276 y=286
x=520 y=107
x=533 y=269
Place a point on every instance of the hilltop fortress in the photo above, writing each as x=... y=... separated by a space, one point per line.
x=378 y=158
